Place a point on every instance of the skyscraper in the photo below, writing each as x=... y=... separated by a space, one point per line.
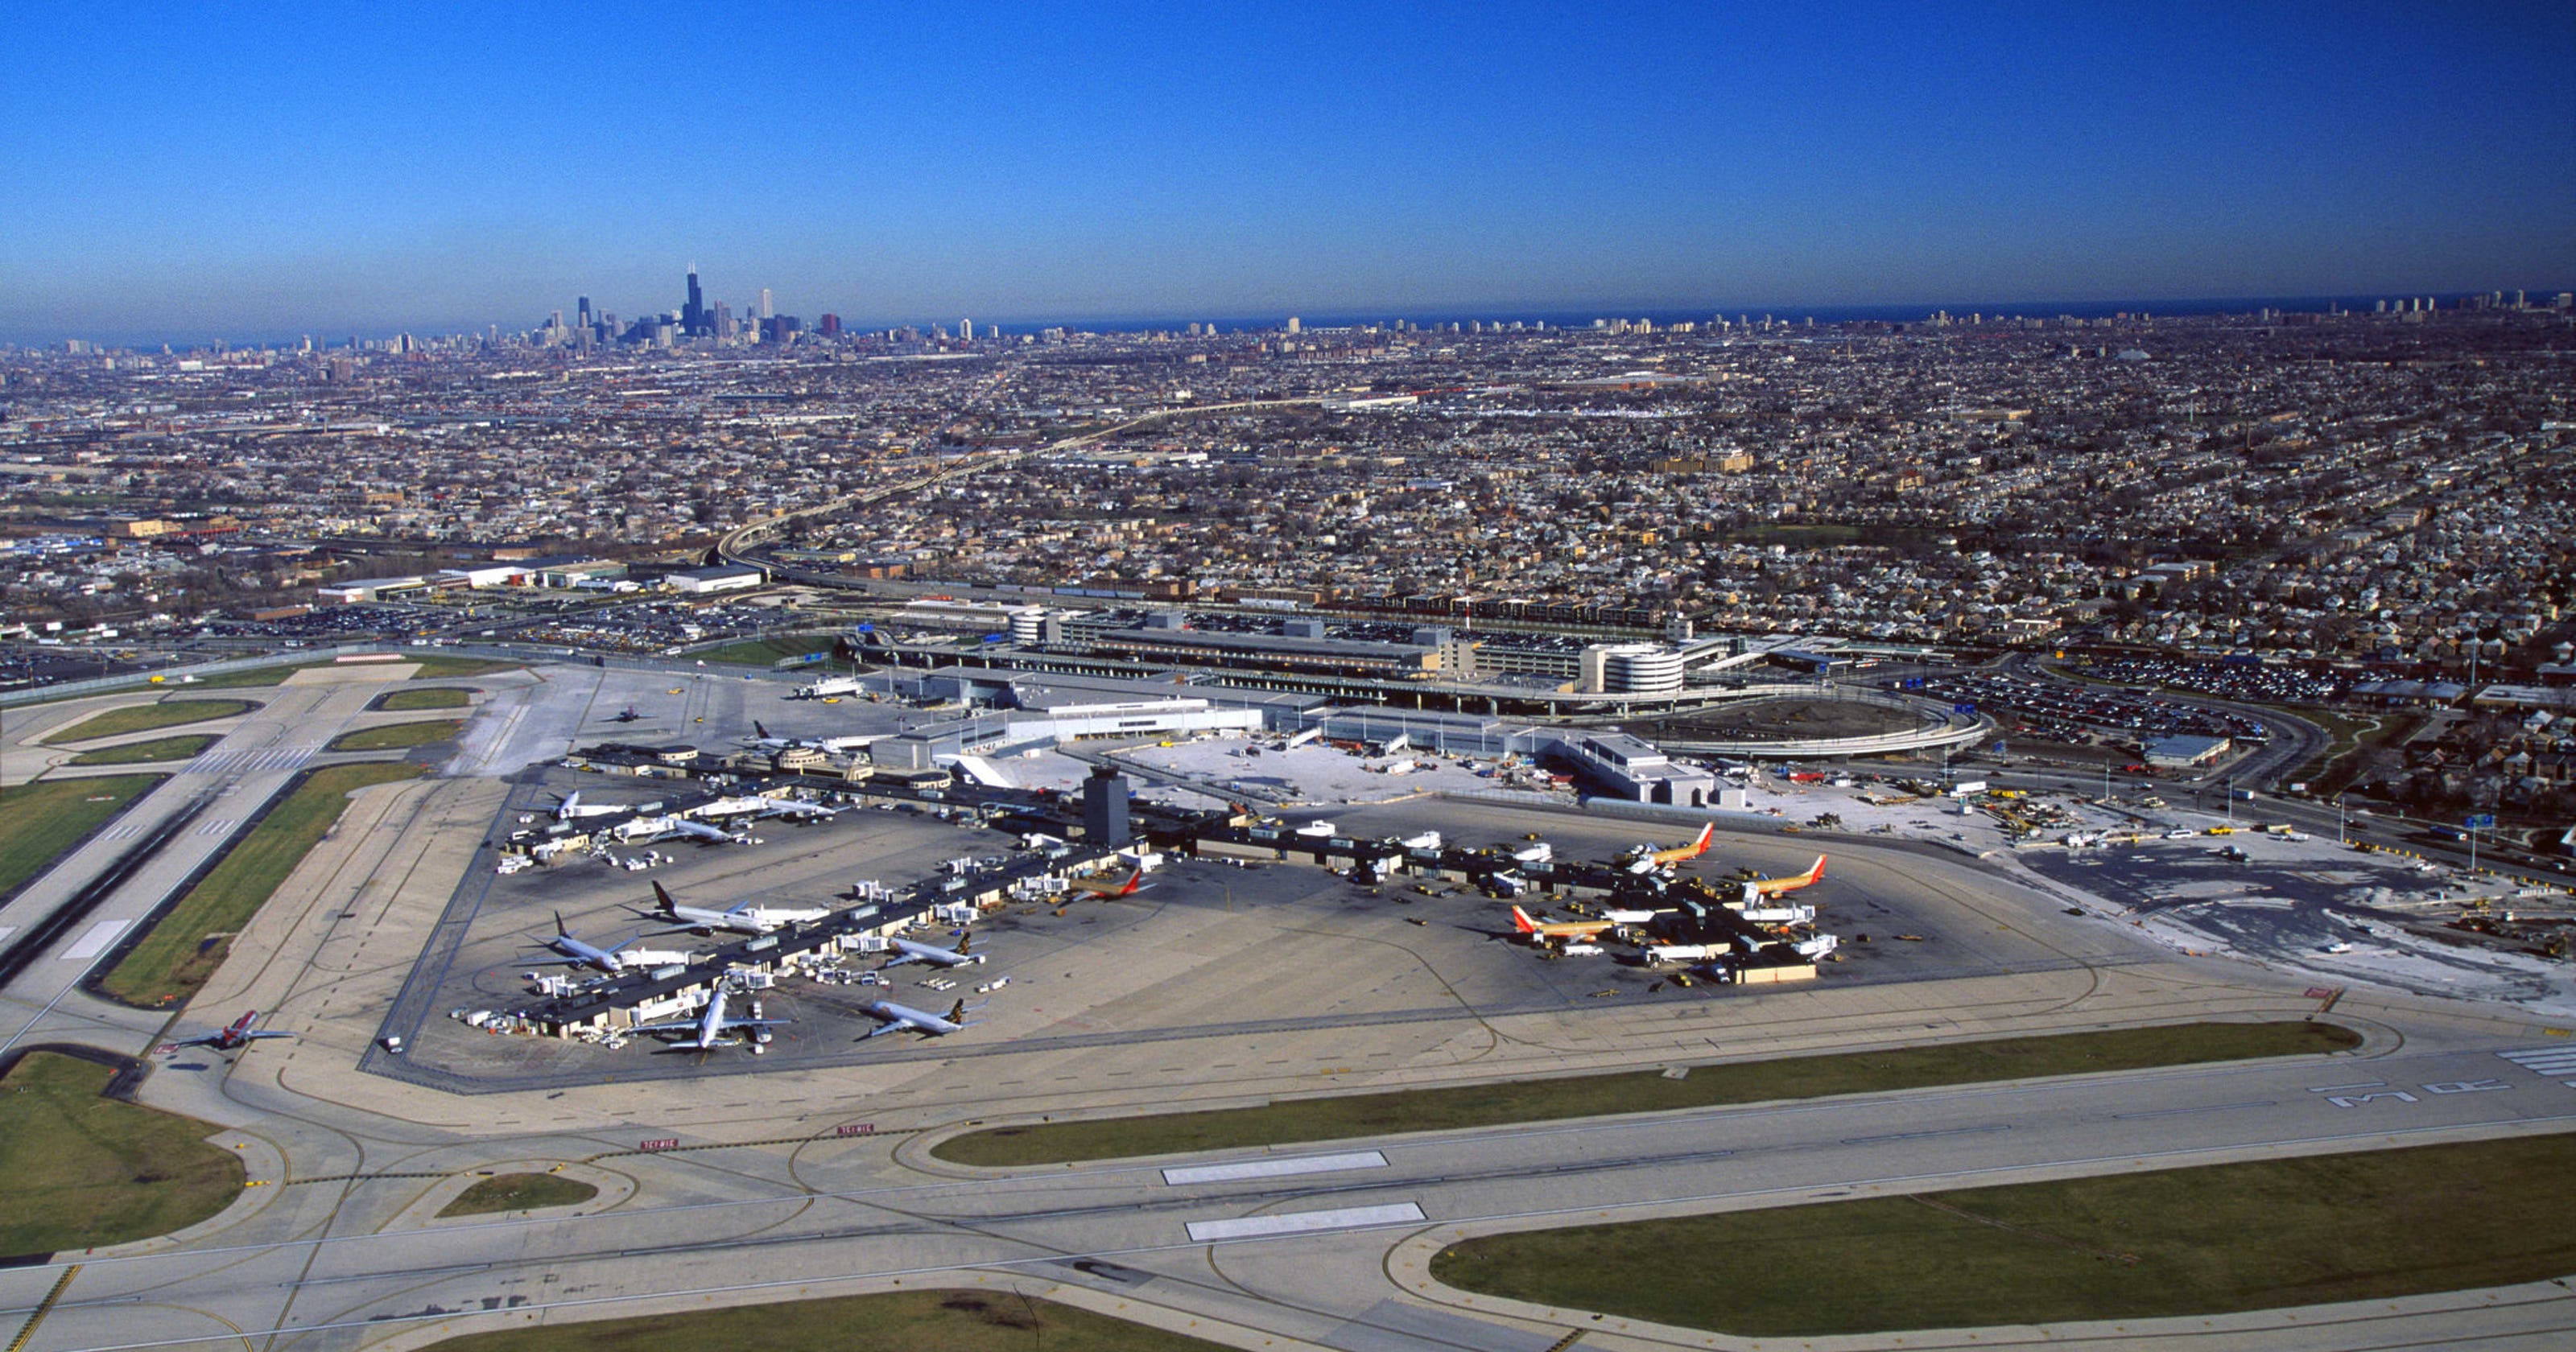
x=693 y=316
x=766 y=310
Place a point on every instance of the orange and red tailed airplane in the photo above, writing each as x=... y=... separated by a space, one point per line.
x=1103 y=887
x=1772 y=887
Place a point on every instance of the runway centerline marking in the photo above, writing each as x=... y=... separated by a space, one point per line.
x=1304 y=1222
x=1917 y=1135
x=2178 y=1112
x=1273 y=1168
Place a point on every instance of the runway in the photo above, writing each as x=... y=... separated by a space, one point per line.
x=844 y=1215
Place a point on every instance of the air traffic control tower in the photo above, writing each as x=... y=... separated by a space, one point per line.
x=1104 y=809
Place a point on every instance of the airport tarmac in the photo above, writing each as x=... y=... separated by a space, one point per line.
x=1223 y=986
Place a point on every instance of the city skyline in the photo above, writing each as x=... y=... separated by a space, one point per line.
x=254 y=179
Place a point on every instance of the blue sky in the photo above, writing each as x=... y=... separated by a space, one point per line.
x=255 y=171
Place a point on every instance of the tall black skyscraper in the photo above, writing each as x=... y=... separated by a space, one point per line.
x=693 y=316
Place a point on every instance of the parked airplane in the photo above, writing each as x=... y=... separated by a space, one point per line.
x=658 y=957
x=762 y=739
x=710 y=1027
x=1772 y=887
x=232 y=1037
x=798 y=809
x=908 y=950
x=577 y=953
x=746 y=918
x=1540 y=931
x=713 y=835
x=625 y=715
x=1647 y=858
x=1103 y=887
x=572 y=807
x=899 y=1017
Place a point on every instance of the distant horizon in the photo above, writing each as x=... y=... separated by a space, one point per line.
x=249 y=175
x=1577 y=317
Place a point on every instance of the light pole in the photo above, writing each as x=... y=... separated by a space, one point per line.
x=2339 y=836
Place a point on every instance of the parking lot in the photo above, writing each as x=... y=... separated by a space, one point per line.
x=2074 y=715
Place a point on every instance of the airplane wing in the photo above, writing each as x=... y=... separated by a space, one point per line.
x=203 y=1040
x=247 y=1036
x=889 y=1026
x=690 y=1026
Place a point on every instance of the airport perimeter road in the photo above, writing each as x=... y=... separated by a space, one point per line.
x=163 y=839
x=1320 y=1245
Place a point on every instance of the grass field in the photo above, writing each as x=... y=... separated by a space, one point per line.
x=2138 y=1246
x=250 y=678
x=188 y=942
x=398 y=736
x=426 y=697
x=1488 y=1105
x=80 y=1170
x=903 y=1321
x=518 y=1192
x=169 y=713
x=767 y=651
x=152 y=752
x=41 y=820
x=434 y=667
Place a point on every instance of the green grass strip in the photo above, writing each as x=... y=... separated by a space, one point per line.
x=434 y=667
x=152 y=752
x=426 y=697
x=766 y=651
x=2368 y=1226
x=81 y=1170
x=39 y=821
x=993 y=1320
x=518 y=1192
x=1490 y=1105
x=398 y=736
x=188 y=942
x=168 y=713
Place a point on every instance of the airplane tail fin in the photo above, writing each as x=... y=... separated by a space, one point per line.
x=1135 y=877
x=663 y=895
x=1816 y=870
x=559 y=925
x=966 y=945
x=1706 y=834
x=1522 y=922
x=957 y=1012
x=759 y=729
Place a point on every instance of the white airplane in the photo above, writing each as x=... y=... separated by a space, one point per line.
x=909 y=951
x=799 y=809
x=713 y=835
x=658 y=957
x=572 y=807
x=1540 y=853
x=734 y=807
x=745 y=919
x=578 y=954
x=900 y=1017
x=709 y=1027
x=833 y=745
